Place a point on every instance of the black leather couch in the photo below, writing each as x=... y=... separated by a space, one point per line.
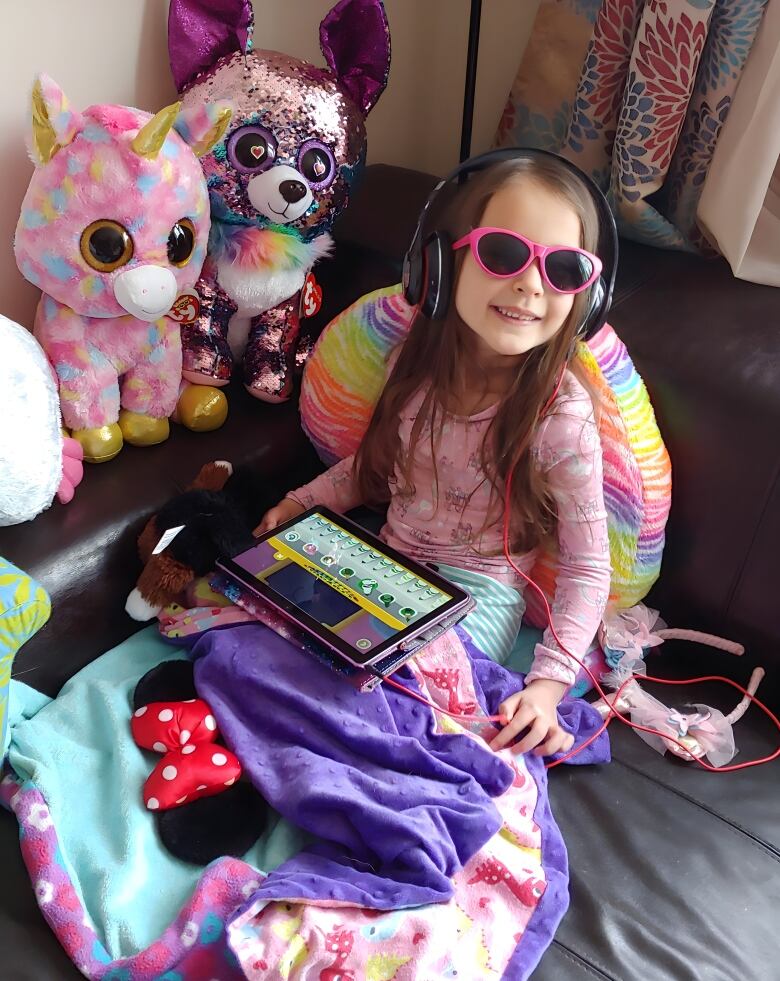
x=675 y=872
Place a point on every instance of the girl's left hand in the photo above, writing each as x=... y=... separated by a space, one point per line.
x=535 y=709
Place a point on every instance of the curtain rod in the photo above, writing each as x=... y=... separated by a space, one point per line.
x=471 y=80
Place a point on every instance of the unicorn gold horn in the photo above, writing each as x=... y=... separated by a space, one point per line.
x=149 y=140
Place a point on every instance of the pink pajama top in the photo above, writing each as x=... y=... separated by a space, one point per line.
x=452 y=517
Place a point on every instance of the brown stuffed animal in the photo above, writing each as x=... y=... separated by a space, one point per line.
x=215 y=517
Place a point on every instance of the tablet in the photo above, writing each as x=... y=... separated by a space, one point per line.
x=347 y=588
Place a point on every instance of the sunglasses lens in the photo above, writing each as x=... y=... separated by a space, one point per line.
x=567 y=270
x=502 y=254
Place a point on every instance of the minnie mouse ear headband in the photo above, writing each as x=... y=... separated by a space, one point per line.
x=429 y=262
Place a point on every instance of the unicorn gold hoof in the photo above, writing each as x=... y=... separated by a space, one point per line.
x=100 y=444
x=140 y=430
x=201 y=408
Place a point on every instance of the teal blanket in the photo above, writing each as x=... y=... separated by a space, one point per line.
x=78 y=751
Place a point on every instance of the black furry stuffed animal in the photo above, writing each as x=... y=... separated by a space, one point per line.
x=218 y=513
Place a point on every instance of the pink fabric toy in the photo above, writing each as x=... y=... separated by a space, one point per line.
x=113 y=228
x=705 y=731
x=72 y=469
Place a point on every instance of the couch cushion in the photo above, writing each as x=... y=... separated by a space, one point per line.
x=708 y=348
x=675 y=872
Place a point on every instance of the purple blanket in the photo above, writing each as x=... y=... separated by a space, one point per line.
x=397 y=805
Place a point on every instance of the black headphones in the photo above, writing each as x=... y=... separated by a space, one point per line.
x=429 y=265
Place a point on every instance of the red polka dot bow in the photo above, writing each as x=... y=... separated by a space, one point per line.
x=192 y=765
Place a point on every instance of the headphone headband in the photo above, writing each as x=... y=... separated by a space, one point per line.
x=428 y=265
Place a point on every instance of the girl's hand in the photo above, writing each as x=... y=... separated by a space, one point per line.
x=534 y=709
x=285 y=510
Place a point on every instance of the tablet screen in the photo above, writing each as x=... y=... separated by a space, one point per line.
x=329 y=572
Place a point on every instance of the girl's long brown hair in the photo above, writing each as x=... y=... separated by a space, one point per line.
x=435 y=358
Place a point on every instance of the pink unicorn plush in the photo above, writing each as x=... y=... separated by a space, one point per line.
x=113 y=229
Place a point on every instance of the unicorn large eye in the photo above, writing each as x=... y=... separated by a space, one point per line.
x=181 y=242
x=106 y=245
x=251 y=149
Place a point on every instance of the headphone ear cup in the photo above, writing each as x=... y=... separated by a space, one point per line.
x=592 y=314
x=412 y=277
x=437 y=273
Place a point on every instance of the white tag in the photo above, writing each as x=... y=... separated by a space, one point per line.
x=167 y=538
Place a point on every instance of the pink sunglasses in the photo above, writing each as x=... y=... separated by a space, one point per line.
x=504 y=254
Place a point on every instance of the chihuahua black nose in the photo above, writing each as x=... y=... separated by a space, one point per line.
x=292 y=191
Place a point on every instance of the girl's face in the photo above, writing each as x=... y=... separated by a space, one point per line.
x=512 y=316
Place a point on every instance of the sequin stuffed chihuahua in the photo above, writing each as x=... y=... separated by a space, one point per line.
x=113 y=227
x=277 y=180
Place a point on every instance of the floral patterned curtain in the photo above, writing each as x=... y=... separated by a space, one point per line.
x=635 y=92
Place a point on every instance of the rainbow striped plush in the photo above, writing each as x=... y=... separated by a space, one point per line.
x=346 y=371
x=345 y=374
x=637 y=476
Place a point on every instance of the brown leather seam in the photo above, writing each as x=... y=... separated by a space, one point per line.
x=732 y=825
x=583 y=962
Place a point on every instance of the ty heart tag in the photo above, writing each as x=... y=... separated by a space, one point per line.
x=186 y=308
x=311 y=297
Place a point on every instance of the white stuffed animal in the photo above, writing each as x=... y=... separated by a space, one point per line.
x=36 y=461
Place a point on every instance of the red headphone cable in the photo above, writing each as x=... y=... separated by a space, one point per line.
x=613 y=712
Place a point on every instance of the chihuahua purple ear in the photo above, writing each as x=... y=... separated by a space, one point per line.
x=200 y=32
x=355 y=39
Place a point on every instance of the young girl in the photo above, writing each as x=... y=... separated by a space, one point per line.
x=488 y=394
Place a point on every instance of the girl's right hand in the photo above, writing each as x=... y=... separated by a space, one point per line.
x=285 y=510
